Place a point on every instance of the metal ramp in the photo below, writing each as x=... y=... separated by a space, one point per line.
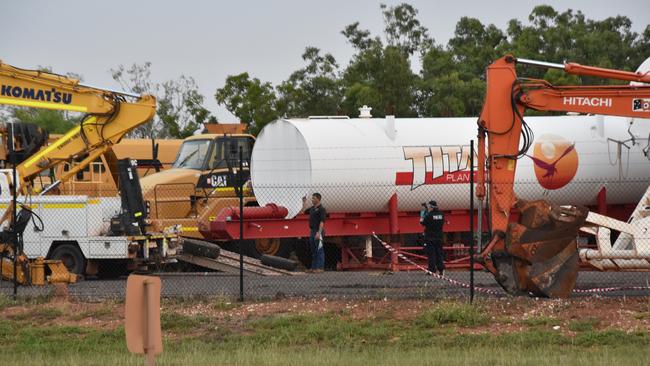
x=631 y=250
x=229 y=262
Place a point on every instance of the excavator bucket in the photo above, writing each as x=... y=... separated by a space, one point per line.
x=541 y=255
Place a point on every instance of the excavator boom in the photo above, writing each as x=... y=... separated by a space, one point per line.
x=538 y=254
x=109 y=115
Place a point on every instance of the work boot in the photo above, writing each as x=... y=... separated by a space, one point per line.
x=442 y=273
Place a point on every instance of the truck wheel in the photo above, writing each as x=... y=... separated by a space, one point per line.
x=275 y=247
x=257 y=248
x=71 y=256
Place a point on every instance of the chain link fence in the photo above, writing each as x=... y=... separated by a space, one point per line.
x=373 y=244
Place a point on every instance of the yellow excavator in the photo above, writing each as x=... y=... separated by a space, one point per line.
x=108 y=116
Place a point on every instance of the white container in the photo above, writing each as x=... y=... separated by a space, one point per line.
x=358 y=164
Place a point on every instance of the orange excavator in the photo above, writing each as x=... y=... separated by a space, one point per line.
x=538 y=254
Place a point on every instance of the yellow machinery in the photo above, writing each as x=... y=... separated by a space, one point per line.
x=198 y=185
x=108 y=116
x=96 y=180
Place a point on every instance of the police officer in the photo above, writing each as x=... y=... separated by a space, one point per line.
x=433 y=220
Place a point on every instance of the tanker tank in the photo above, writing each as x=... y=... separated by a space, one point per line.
x=358 y=164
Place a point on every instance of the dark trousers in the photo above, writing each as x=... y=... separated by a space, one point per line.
x=435 y=254
x=317 y=251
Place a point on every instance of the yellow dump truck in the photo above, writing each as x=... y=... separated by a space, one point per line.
x=198 y=182
x=199 y=185
x=95 y=179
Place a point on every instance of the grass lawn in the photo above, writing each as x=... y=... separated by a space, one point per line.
x=308 y=332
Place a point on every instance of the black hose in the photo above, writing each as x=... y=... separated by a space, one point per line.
x=34 y=217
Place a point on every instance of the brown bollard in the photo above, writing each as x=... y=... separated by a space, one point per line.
x=142 y=317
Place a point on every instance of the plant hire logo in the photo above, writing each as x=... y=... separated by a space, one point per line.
x=556 y=161
x=439 y=164
x=555 y=164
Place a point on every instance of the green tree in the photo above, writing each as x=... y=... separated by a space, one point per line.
x=451 y=81
x=474 y=46
x=250 y=100
x=379 y=74
x=403 y=30
x=179 y=109
x=50 y=120
x=312 y=90
x=571 y=36
x=380 y=77
x=449 y=95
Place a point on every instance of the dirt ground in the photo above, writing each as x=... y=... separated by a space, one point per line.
x=510 y=314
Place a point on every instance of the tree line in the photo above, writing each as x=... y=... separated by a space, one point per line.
x=449 y=80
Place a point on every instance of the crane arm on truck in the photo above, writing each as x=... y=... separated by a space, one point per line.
x=538 y=254
x=108 y=116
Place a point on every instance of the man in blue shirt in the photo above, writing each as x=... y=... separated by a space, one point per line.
x=317 y=217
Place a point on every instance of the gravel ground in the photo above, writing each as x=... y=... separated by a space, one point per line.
x=330 y=285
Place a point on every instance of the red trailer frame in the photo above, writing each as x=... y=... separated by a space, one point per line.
x=269 y=222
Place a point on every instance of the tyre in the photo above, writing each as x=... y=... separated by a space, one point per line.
x=257 y=248
x=201 y=248
x=71 y=256
x=278 y=262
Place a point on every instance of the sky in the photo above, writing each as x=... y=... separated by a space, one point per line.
x=209 y=40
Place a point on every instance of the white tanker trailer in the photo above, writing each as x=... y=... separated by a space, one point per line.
x=374 y=173
x=358 y=164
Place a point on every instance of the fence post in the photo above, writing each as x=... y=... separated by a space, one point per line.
x=14 y=194
x=471 y=221
x=240 y=182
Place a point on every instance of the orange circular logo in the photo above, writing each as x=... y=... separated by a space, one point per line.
x=555 y=161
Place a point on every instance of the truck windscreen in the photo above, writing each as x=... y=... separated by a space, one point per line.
x=192 y=154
